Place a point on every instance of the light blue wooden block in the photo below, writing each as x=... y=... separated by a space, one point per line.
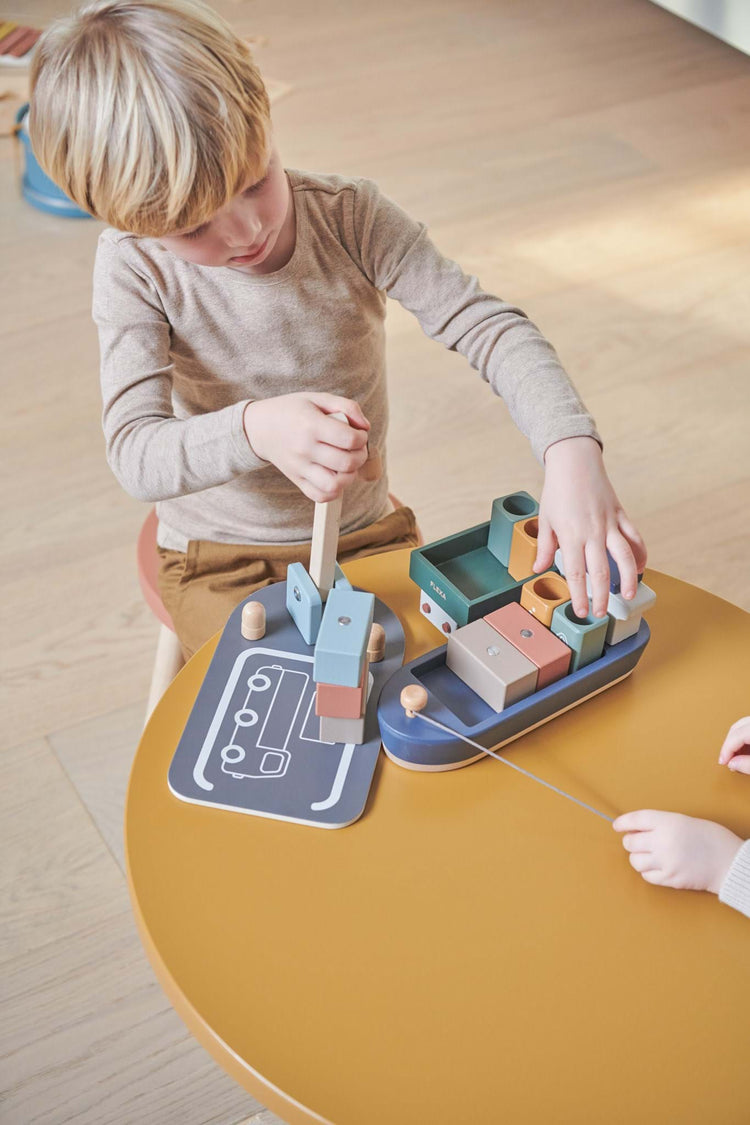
x=340 y=581
x=506 y=511
x=342 y=638
x=303 y=602
x=584 y=635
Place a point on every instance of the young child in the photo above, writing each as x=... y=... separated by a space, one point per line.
x=240 y=304
x=696 y=855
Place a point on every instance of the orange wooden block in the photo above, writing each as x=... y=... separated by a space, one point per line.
x=534 y=640
x=332 y=701
x=523 y=548
x=541 y=596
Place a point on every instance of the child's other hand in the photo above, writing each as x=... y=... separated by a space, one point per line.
x=580 y=512
x=672 y=850
x=735 y=752
x=295 y=432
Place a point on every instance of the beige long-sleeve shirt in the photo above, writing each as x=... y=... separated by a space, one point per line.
x=185 y=347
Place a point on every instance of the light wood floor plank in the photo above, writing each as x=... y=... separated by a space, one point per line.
x=87 y=1035
x=96 y=756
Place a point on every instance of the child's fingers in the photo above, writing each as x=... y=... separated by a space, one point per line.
x=638 y=821
x=643 y=862
x=638 y=841
x=598 y=571
x=320 y=484
x=336 y=404
x=740 y=764
x=545 y=547
x=340 y=435
x=735 y=740
x=339 y=460
x=655 y=876
x=621 y=551
x=575 y=576
x=633 y=536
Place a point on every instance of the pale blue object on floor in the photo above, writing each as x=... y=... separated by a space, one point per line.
x=584 y=635
x=37 y=188
x=342 y=638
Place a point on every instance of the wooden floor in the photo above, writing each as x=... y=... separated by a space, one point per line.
x=587 y=160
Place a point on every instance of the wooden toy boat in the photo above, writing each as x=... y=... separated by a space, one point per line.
x=419 y=745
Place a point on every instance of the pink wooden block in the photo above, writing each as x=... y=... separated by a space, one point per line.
x=336 y=702
x=526 y=633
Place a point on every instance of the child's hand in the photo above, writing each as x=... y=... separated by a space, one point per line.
x=735 y=752
x=320 y=454
x=580 y=512
x=672 y=850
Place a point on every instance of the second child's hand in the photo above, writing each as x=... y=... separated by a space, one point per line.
x=318 y=453
x=579 y=512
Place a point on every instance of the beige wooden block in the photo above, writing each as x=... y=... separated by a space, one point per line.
x=490 y=665
x=325 y=540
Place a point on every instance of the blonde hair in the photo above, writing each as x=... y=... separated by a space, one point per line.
x=150 y=114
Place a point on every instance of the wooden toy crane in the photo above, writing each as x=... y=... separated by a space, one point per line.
x=338 y=621
x=285 y=722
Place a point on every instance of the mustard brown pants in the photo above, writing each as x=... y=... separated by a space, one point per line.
x=201 y=586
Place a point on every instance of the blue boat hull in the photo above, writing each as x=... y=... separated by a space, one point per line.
x=421 y=746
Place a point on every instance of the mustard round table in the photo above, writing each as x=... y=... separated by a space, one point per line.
x=475 y=948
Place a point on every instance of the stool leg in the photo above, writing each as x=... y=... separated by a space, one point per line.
x=169 y=660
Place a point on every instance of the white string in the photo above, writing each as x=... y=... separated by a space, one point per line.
x=507 y=762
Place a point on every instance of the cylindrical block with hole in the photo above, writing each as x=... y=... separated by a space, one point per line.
x=584 y=635
x=542 y=595
x=523 y=548
x=507 y=511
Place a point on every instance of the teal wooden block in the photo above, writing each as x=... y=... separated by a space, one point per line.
x=462 y=576
x=303 y=602
x=584 y=635
x=342 y=638
x=506 y=511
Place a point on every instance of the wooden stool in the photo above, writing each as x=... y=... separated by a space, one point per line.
x=169 y=658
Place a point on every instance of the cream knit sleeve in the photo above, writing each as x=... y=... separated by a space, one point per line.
x=154 y=454
x=497 y=338
x=735 y=890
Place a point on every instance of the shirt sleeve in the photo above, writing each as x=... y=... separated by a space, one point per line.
x=154 y=455
x=499 y=341
x=735 y=890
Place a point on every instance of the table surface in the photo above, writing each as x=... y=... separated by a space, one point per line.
x=474 y=948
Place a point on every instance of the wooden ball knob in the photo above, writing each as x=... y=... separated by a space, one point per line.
x=413 y=698
x=376 y=644
x=253 y=621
